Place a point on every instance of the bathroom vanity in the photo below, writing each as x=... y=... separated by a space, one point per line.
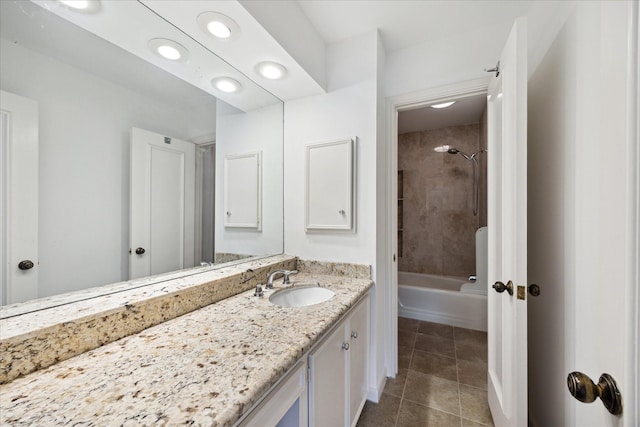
x=240 y=361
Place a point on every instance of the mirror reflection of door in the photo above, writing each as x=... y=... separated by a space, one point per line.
x=18 y=198
x=162 y=217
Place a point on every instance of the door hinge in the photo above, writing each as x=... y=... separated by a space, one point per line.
x=522 y=292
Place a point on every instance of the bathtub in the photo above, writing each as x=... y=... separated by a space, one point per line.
x=439 y=299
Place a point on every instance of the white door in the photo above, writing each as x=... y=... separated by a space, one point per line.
x=162 y=204
x=18 y=198
x=507 y=233
x=605 y=321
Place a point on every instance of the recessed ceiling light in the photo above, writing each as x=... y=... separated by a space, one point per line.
x=219 y=30
x=218 y=25
x=168 y=49
x=226 y=84
x=442 y=148
x=443 y=105
x=90 y=6
x=271 y=70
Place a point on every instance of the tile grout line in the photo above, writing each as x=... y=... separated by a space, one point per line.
x=455 y=352
x=404 y=388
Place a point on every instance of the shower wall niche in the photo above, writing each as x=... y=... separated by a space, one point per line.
x=438 y=225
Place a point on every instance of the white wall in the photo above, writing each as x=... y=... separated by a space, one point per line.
x=352 y=107
x=237 y=133
x=466 y=55
x=85 y=123
x=348 y=110
x=551 y=167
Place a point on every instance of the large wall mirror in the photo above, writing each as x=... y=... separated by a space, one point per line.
x=131 y=149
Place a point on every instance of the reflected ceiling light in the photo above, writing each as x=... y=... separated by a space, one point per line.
x=443 y=105
x=218 y=25
x=90 y=6
x=442 y=148
x=168 y=49
x=271 y=70
x=226 y=84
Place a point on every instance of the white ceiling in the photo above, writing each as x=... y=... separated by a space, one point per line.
x=465 y=111
x=404 y=23
x=33 y=27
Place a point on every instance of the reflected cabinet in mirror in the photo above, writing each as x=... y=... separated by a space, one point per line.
x=113 y=156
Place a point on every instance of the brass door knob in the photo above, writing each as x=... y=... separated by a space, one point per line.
x=501 y=287
x=582 y=388
x=25 y=265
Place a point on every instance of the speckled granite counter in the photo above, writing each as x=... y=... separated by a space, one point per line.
x=39 y=333
x=207 y=367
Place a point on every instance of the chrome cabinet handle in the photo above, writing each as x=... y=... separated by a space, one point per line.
x=354 y=335
x=345 y=346
x=582 y=388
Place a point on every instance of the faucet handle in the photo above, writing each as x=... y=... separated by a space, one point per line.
x=288 y=273
x=259 y=292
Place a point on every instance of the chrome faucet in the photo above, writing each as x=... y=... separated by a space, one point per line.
x=285 y=273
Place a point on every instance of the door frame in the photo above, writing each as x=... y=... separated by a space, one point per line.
x=631 y=397
x=394 y=105
x=203 y=145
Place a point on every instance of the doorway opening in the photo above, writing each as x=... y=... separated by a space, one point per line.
x=442 y=212
x=403 y=107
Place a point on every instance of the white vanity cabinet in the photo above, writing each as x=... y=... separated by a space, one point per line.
x=285 y=405
x=338 y=372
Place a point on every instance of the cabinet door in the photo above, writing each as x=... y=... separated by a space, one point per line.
x=286 y=405
x=330 y=188
x=358 y=359
x=328 y=385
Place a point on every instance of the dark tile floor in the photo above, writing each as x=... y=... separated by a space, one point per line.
x=442 y=379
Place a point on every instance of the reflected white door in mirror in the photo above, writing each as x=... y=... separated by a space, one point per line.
x=18 y=198
x=162 y=204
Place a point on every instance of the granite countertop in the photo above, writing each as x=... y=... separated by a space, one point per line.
x=207 y=367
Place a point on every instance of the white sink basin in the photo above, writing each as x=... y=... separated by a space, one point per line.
x=301 y=296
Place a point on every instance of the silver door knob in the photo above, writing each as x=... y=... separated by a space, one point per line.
x=582 y=388
x=354 y=335
x=345 y=346
x=140 y=251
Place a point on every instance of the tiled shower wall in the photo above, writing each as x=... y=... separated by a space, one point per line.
x=437 y=219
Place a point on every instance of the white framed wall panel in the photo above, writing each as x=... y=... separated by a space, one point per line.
x=330 y=186
x=243 y=190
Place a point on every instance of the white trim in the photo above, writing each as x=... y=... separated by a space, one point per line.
x=201 y=148
x=4 y=175
x=394 y=105
x=631 y=397
x=375 y=394
x=205 y=139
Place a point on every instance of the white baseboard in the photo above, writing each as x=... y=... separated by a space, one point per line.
x=375 y=393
